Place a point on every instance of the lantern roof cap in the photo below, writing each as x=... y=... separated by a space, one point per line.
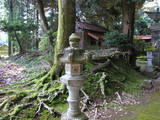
x=74 y=38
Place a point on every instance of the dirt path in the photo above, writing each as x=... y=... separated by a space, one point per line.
x=10 y=73
x=21 y=67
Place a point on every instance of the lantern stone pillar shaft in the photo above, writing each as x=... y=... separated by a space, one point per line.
x=73 y=58
x=73 y=100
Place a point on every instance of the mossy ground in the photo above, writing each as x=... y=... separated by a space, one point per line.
x=147 y=111
x=120 y=78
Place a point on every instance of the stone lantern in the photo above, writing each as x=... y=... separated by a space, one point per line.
x=153 y=57
x=155 y=28
x=73 y=58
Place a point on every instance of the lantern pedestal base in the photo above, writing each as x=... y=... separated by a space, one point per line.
x=78 y=117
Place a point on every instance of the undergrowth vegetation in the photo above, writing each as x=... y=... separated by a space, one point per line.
x=119 y=77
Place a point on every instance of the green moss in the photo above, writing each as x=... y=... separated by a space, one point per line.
x=31 y=97
x=135 y=79
x=149 y=111
x=27 y=114
x=45 y=115
x=144 y=58
x=30 y=112
x=17 y=109
x=62 y=107
x=89 y=66
x=56 y=86
x=26 y=118
x=18 y=97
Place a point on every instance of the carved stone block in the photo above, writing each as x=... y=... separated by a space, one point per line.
x=73 y=69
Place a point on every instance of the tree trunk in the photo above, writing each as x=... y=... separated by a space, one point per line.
x=128 y=11
x=21 y=49
x=45 y=22
x=37 y=23
x=10 y=19
x=66 y=26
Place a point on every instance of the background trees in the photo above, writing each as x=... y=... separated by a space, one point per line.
x=112 y=14
x=25 y=15
x=32 y=19
x=21 y=25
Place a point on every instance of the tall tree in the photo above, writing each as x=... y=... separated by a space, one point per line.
x=66 y=26
x=45 y=23
x=129 y=8
x=20 y=24
x=102 y=12
x=10 y=19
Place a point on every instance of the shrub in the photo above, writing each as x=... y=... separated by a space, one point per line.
x=143 y=58
x=117 y=40
x=150 y=47
x=141 y=26
x=140 y=45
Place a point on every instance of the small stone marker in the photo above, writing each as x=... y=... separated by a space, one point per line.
x=73 y=58
x=149 y=61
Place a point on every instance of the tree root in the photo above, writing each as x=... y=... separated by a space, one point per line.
x=19 y=108
x=86 y=101
x=3 y=104
x=2 y=93
x=87 y=97
x=10 y=101
x=41 y=89
x=42 y=81
x=39 y=109
x=102 y=84
x=52 y=111
x=101 y=67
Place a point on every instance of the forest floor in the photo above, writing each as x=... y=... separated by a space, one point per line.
x=20 y=67
x=10 y=72
x=148 y=109
x=142 y=105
